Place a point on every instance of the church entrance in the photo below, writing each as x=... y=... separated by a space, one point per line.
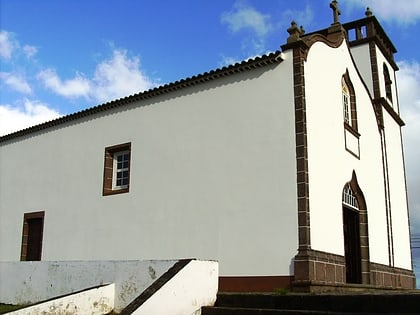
x=351 y=229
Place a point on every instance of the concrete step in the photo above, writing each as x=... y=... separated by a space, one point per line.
x=256 y=311
x=401 y=303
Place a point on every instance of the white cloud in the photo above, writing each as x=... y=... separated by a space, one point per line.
x=76 y=87
x=246 y=17
x=16 y=81
x=7 y=45
x=30 y=51
x=402 y=12
x=408 y=86
x=302 y=17
x=119 y=76
x=116 y=77
x=31 y=113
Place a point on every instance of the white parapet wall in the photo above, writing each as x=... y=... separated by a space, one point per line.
x=191 y=288
x=95 y=301
x=175 y=287
x=23 y=283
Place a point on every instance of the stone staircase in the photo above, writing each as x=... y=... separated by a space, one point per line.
x=334 y=304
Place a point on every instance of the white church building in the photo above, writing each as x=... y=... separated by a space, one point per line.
x=287 y=168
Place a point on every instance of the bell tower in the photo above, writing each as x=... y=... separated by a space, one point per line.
x=373 y=53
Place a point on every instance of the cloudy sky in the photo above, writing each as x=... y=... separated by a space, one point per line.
x=58 y=57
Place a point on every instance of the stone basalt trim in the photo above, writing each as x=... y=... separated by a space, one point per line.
x=320 y=267
x=391 y=277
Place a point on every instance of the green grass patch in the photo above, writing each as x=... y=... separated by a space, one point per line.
x=5 y=308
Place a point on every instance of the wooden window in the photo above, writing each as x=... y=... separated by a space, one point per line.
x=346 y=103
x=32 y=234
x=349 y=103
x=349 y=199
x=117 y=169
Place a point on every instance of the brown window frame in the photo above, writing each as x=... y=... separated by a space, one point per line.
x=25 y=234
x=352 y=126
x=109 y=171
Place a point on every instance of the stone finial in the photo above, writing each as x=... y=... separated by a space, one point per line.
x=295 y=33
x=368 y=12
x=336 y=11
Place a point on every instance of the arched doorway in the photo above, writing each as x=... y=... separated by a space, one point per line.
x=351 y=222
x=355 y=230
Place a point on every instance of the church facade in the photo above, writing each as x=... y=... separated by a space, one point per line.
x=287 y=168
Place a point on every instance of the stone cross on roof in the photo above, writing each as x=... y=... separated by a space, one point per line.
x=336 y=11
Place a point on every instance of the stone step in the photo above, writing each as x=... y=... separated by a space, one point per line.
x=255 y=311
x=401 y=303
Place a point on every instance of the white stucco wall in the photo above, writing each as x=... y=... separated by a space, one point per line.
x=330 y=165
x=398 y=194
x=95 y=301
x=25 y=283
x=361 y=57
x=213 y=176
x=193 y=287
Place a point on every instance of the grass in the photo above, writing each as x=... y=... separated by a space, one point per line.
x=281 y=291
x=5 y=308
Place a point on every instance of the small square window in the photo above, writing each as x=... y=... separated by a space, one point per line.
x=117 y=169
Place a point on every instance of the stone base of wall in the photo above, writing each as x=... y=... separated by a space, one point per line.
x=321 y=267
x=391 y=277
x=254 y=283
x=317 y=271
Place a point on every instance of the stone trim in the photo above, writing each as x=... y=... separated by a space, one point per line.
x=317 y=271
x=391 y=277
x=299 y=55
x=363 y=228
x=374 y=34
x=380 y=103
x=321 y=267
x=353 y=107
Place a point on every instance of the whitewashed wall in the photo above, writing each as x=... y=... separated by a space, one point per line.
x=193 y=287
x=31 y=282
x=398 y=194
x=96 y=301
x=398 y=202
x=328 y=158
x=213 y=176
x=362 y=60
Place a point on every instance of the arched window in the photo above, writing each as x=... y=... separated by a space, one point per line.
x=388 y=83
x=346 y=102
x=349 y=102
x=349 y=199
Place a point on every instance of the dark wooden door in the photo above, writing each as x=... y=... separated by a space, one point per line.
x=352 y=245
x=34 y=246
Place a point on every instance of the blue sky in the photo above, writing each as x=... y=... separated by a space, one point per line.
x=58 y=57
